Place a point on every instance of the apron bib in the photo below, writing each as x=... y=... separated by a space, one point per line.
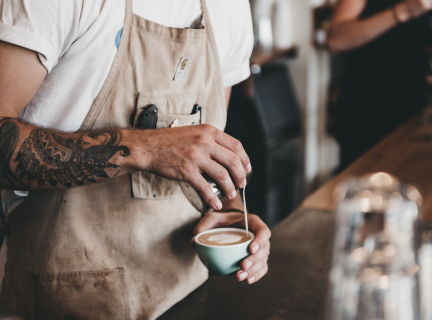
x=120 y=249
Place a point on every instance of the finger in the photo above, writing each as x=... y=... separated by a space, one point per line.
x=235 y=146
x=256 y=226
x=221 y=175
x=255 y=269
x=255 y=259
x=253 y=273
x=232 y=162
x=261 y=273
x=217 y=219
x=261 y=231
x=209 y=221
x=201 y=185
x=241 y=275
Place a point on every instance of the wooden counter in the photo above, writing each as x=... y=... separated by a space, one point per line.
x=297 y=282
x=295 y=287
x=406 y=153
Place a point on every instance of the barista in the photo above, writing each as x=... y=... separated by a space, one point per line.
x=105 y=228
x=384 y=69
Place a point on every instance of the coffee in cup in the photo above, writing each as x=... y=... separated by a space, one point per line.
x=224 y=238
x=222 y=250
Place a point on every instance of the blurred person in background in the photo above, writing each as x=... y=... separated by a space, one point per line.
x=383 y=81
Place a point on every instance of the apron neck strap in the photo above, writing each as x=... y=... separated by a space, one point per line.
x=129 y=8
x=204 y=11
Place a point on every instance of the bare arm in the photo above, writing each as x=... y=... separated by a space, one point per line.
x=32 y=157
x=227 y=95
x=348 y=31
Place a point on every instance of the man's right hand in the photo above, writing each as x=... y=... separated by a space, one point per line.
x=176 y=153
x=184 y=153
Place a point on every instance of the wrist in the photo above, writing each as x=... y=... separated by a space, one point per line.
x=138 y=160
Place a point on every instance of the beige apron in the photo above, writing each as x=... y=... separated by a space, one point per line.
x=120 y=249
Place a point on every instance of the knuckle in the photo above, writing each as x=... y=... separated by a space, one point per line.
x=208 y=129
x=193 y=156
x=267 y=233
x=206 y=189
x=265 y=270
x=238 y=146
x=223 y=175
x=187 y=169
x=200 y=140
x=235 y=161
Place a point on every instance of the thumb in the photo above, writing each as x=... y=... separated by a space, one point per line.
x=210 y=221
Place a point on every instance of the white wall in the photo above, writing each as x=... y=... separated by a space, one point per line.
x=311 y=75
x=310 y=72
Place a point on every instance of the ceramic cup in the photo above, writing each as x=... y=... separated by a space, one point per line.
x=222 y=260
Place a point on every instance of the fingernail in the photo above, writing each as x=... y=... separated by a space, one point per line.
x=248 y=168
x=244 y=184
x=243 y=275
x=218 y=205
x=255 y=248
x=233 y=194
x=251 y=280
x=248 y=264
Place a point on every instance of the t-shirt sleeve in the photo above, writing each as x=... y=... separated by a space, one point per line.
x=47 y=27
x=238 y=42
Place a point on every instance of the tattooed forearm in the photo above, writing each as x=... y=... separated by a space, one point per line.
x=9 y=135
x=59 y=159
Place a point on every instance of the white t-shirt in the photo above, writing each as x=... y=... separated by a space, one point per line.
x=76 y=41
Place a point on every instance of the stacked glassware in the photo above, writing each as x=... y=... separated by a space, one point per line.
x=374 y=266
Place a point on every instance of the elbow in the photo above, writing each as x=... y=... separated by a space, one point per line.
x=334 y=45
x=338 y=38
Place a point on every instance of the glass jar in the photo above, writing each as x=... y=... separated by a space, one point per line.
x=373 y=274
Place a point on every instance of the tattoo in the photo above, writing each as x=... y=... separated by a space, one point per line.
x=9 y=135
x=49 y=157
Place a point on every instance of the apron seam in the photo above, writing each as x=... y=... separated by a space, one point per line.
x=194 y=39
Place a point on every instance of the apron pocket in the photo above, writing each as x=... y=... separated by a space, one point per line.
x=81 y=295
x=173 y=110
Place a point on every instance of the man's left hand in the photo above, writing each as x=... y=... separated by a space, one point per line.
x=253 y=267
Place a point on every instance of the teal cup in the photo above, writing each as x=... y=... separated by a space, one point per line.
x=222 y=260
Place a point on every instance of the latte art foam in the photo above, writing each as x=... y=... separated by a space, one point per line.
x=223 y=238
